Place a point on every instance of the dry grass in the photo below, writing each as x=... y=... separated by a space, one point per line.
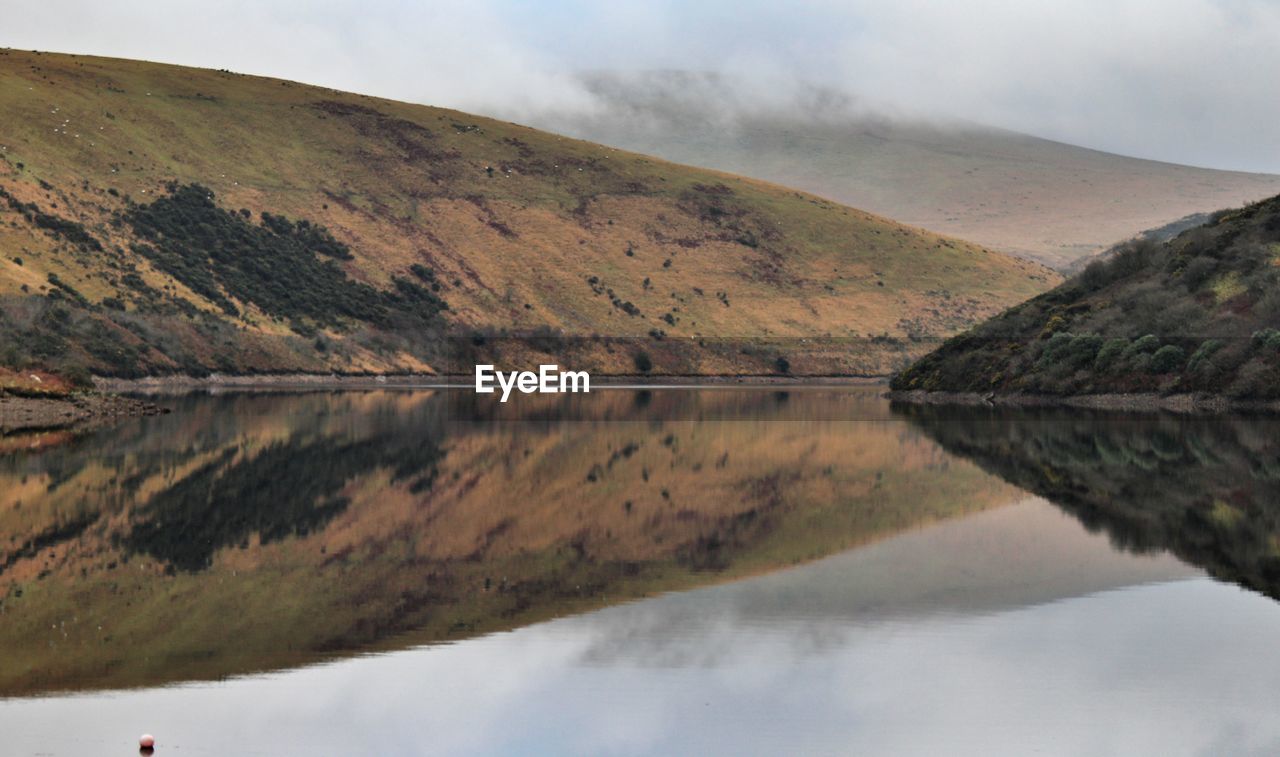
x=514 y=247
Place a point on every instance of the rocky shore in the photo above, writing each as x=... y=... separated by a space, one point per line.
x=29 y=413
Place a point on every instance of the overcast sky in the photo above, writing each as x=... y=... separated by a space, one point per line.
x=1189 y=81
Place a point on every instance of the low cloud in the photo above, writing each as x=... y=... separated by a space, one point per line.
x=1179 y=80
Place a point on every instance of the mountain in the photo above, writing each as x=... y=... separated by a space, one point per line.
x=1040 y=199
x=1199 y=314
x=157 y=219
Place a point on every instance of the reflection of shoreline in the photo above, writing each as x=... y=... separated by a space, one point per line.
x=1203 y=404
x=1205 y=489
x=513 y=523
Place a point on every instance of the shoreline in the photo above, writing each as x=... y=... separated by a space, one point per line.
x=182 y=384
x=113 y=399
x=1178 y=403
x=22 y=414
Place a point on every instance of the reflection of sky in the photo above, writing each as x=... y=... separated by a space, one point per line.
x=1137 y=655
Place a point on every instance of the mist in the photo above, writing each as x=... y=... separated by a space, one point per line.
x=1186 y=81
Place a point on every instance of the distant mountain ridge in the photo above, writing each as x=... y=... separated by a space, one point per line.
x=1043 y=200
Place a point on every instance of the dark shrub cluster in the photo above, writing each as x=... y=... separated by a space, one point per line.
x=284 y=267
x=60 y=227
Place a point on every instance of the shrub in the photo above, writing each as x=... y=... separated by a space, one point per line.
x=1198 y=271
x=1071 y=350
x=279 y=265
x=643 y=362
x=78 y=376
x=1094 y=276
x=1200 y=358
x=1267 y=339
x=1254 y=379
x=1167 y=359
x=1143 y=345
x=1132 y=258
x=1110 y=352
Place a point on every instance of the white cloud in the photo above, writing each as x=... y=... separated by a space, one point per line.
x=1179 y=80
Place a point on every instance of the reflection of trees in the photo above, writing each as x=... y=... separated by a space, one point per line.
x=288 y=489
x=230 y=468
x=1206 y=489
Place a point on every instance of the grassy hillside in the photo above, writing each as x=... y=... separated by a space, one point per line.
x=254 y=532
x=1197 y=314
x=160 y=219
x=1040 y=199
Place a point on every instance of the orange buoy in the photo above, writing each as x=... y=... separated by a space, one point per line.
x=147 y=741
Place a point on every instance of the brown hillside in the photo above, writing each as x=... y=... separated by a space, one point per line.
x=123 y=248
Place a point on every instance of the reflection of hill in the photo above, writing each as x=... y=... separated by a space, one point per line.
x=1206 y=489
x=246 y=532
x=1022 y=555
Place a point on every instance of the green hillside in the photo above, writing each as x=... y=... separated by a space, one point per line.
x=1197 y=314
x=158 y=219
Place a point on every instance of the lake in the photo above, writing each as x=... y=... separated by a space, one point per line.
x=723 y=570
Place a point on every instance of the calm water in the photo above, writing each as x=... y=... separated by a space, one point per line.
x=676 y=571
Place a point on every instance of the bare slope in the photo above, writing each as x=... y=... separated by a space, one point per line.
x=165 y=219
x=1040 y=199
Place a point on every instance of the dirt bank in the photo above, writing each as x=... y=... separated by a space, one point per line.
x=28 y=413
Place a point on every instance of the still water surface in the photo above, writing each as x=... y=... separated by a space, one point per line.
x=678 y=571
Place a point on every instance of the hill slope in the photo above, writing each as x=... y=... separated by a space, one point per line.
x=1196 y=314
x=164 y=219
x=1040 y=199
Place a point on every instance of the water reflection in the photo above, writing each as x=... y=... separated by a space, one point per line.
x=1204 y=488
x=251 y=532
x=901 y=591
x=973 y=653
